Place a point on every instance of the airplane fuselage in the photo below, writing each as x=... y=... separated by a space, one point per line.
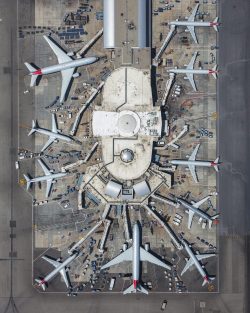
x=52 y=274
x=199 y=212
x=187 y=71
x=48 y=177
x=187 y=23
x=64 y=66
x=196 y=262
x=194 y=163
x=55 y=135
x=136 y=255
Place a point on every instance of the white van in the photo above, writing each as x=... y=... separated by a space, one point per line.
x=112 y=283
x=163 y=305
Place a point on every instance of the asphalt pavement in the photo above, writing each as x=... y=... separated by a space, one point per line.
x=16 y=290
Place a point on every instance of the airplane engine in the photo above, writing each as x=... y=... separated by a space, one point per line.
x=76 y=75
x=146 y=246
x=125 y=247
x=70 y=53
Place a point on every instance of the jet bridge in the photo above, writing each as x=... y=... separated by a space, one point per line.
x=84 y=108
x=167 y=228
x=104 y=236
x=81 y=52
x=169 y=84
x=126 y=228
x=157 y=58
x=165 y=200
x=81 y=241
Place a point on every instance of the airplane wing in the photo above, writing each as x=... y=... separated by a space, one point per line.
x=199 y=203
x=194 y=153
x=193 y=172
x=48 y=188
x=204 y=256
x=51 y=261
x=62 y=57
x=44 y=167
x=191 y=63
x=187 y=266
x=190 y=218
x=66 y=78
x=48 y=143
x=54 y=125
x=193 y=14
x=190 y=77
x=147 y=256
x=192 y=32
x=199 y=257
x=65 y=277
x=127 y=255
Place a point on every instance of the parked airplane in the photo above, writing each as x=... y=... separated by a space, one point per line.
x=192 y=163
x=53 y=133
x=193 y=208
x=66 y=66
x=49 y=177
x=194 y=259
x=60 y=267
x=136 y=254
x=190 y=23
x=190 y=71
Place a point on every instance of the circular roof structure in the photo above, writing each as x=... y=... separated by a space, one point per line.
x=128 y=123
x=127 y=155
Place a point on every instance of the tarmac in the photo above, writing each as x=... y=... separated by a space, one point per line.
x=17 y=293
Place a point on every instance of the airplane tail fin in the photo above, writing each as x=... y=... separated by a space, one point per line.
x=207 y=280
x=41 y=283
x=214 y=217
x=30 y=67
x=215 y=164
x=33 y=72
x=214 y=71
x=215 y=23
x=27 y=180
x=134 y=288
x=33 y=129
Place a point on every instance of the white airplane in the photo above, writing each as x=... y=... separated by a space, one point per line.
x=192 y=163
x=66 y=66
x=194 y=259
x=54 y=135
x=136 y=254
x=60 y=267
x=190 y=71
x=193 y=208
x=49 y=177
x=190 y=23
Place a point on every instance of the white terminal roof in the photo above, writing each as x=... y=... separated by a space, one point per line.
x=113 y=189
x=128 y=88
x=127 y=120
x=126 y=123
x=142 y=189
